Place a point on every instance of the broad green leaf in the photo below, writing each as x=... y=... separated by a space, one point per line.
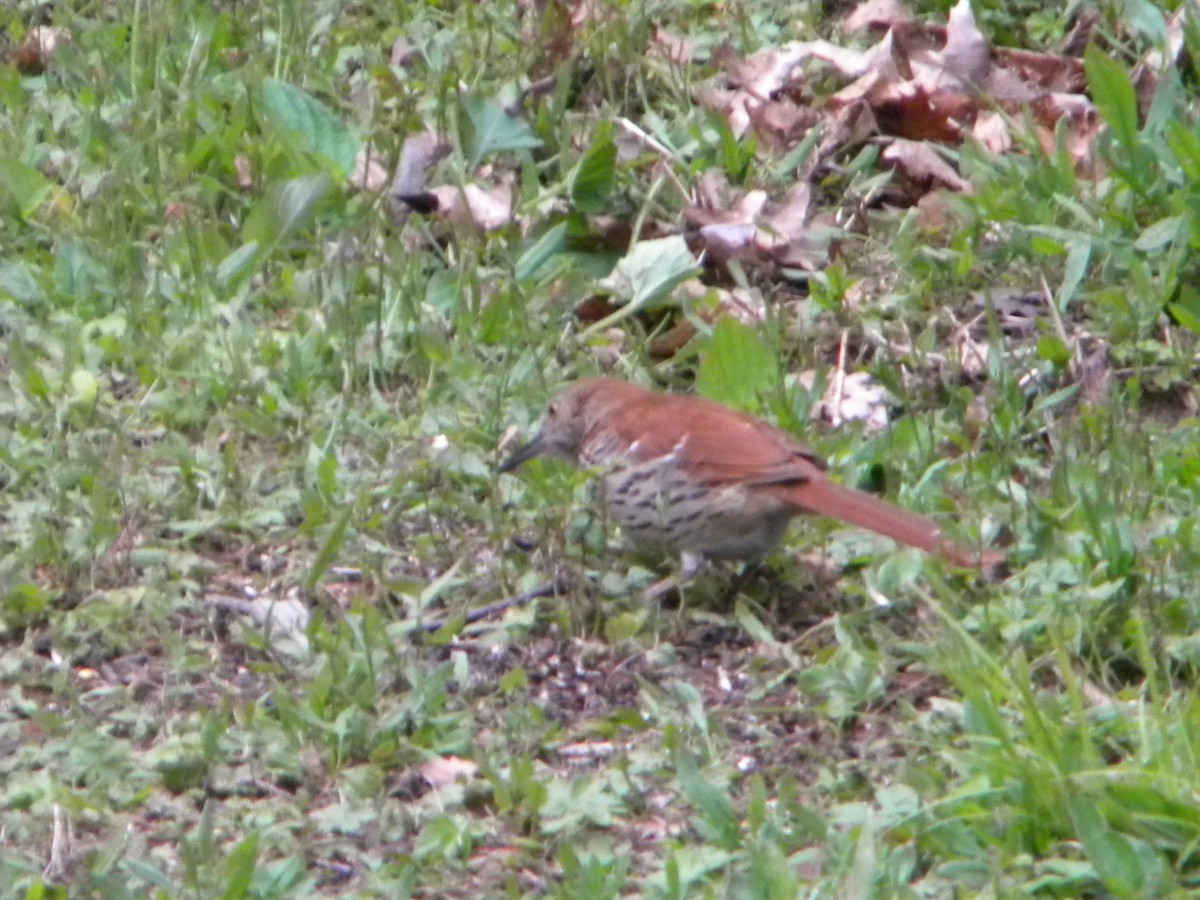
x=24 y=186
x=650 y=271
x=1186 y=308
x=1191 y=33
x=1185 y=316
x=1053 y=401
x=495 y=322
x=1169 y=98
x=1110 y=852
x=237 y=263
x=513 y=679
x=1112 y=90
x=545 y=248
x=84 y=388
x=285 y=208
x=1054 y=350
x=310 y=125
x=1079 y=253
x=596 y=173
x=711 y=801
x=23 y=604
x=1145 y=18
x=1163 y=232
x=240 y=866
x=737 y=365
x=335 y=537
x=18 y=282
x=770 y=873
x=624 y=626
x=149 y=873
x=1185 y=146
x=494 y=130
x=865 y=866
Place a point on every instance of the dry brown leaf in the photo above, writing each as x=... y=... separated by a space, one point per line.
x=909 y=110
x=786 y=220
x=747 y=305
x=742 y=212
x=446 y=770
x=766 y=71
x=876 y=14
x=970 y=355
x=1083 y=125
x=712 y=190
x=723 y=241
x=754 y=229
x=753 y=90
x=1009 y=89
x=40 y=44
x=781 y=124
x=991 y=130
x=468 y=206
x=924 y=165
x=370 y=171
x=418 y=154
x=744 y=304
x=749 y=83
x=1049 y=71
x=403 y=55
x=934 y=214
x=851 y=125
x=965 y=57
x=243 y=172
x=879 y=71
x=667 y=343
x=851 y=62
x=851 y=397
x=1080 y=35
x=674 y=48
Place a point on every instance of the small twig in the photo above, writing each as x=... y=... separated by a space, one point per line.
x=62 y=843
x=539 y=88
x=1059 y=327
x=549 y=589
x=839 y=382
x=665 y=153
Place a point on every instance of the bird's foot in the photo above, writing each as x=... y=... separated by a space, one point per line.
x=691 y=565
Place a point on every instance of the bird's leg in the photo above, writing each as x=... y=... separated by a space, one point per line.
x=750 y=572
x=690 y=565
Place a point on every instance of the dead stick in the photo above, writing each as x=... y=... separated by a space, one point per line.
x=549 y=589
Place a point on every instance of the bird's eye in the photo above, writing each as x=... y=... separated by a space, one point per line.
x=552 y=409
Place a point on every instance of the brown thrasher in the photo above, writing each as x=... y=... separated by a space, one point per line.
x=694 y=477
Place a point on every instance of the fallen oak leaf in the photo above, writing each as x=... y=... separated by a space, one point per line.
x=921 y=163
x=443 y=771
x=965 y=57
x=468 y=206
x=876 y=14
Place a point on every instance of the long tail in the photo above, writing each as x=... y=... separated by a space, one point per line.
x=870 y=512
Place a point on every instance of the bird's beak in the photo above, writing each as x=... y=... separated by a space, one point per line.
x=524 y=453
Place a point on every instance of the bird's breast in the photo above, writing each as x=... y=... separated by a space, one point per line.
x=657 y=502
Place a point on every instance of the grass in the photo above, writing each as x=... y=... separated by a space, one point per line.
x=228 y=377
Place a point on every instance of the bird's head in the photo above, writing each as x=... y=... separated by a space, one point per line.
x=571 y=417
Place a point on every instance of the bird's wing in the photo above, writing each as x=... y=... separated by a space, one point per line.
x=716 y=444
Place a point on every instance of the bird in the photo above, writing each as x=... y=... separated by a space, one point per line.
x=694 y=477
